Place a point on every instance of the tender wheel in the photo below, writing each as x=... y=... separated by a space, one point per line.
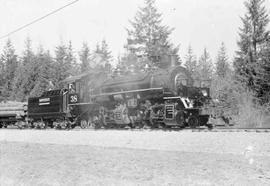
x=193 y=122
x=83 y=124
x=49 y=124
x=210 y=126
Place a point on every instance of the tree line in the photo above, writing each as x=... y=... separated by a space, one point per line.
x=34 y=72
x=148 y=43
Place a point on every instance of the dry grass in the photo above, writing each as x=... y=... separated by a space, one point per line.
x=250 y=113
x=239 y=103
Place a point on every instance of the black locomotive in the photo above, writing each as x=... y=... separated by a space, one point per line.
x=153 y=97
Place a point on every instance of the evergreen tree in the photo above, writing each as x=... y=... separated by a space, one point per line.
x=222 y=65
x=8 y=66
x=85 y=55
x=253 y=35
x=191 y=62
x=106 y=53
x=62 y=65
x=1 y=79
x=26 y=74
x=18 y=87
x=1 y=76
x=149 y=38
x=264 y=73
x=74 y=68
x=205 y=66
x=44 y=73
x=101 y=57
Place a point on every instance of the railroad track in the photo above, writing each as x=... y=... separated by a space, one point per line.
x=201 y=129
x=231 y=129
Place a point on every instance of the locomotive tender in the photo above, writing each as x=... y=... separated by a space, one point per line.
x=153 y=97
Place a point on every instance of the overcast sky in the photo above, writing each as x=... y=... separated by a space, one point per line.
x=200 y=23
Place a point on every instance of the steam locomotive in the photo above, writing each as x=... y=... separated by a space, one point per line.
x=156 y=98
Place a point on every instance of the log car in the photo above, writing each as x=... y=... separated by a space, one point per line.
x=13 y=114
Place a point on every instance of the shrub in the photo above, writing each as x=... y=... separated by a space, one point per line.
x=238 y=103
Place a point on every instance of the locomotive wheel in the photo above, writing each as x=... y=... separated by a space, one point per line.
x=193 y=122
x=97 y=125
x=140 y=124
x=154 y=124
x=108 y=125
x=132 y=125
x=168 y=126
x=31 y=125
x=83 y=124
x=180 y=118
x=72 y=126
x=162 y=125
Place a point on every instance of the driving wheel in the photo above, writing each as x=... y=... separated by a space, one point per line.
x=193 y=122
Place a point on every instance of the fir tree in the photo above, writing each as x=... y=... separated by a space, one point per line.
x=8 y=66
x=106 y=53
x=18 y=87
x=62 y=65
x=101 y=57
x=222 y=65
x=71 y=60
x=264 y=73
x=26 y=74
x=85 y=55
x=44 y=72
x=191 y=62
x=1 y=75
x=253 y=35
x=1 y=80
x=205 y=66
x=149 y=39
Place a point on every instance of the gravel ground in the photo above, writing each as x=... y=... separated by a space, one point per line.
x=32 y=157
